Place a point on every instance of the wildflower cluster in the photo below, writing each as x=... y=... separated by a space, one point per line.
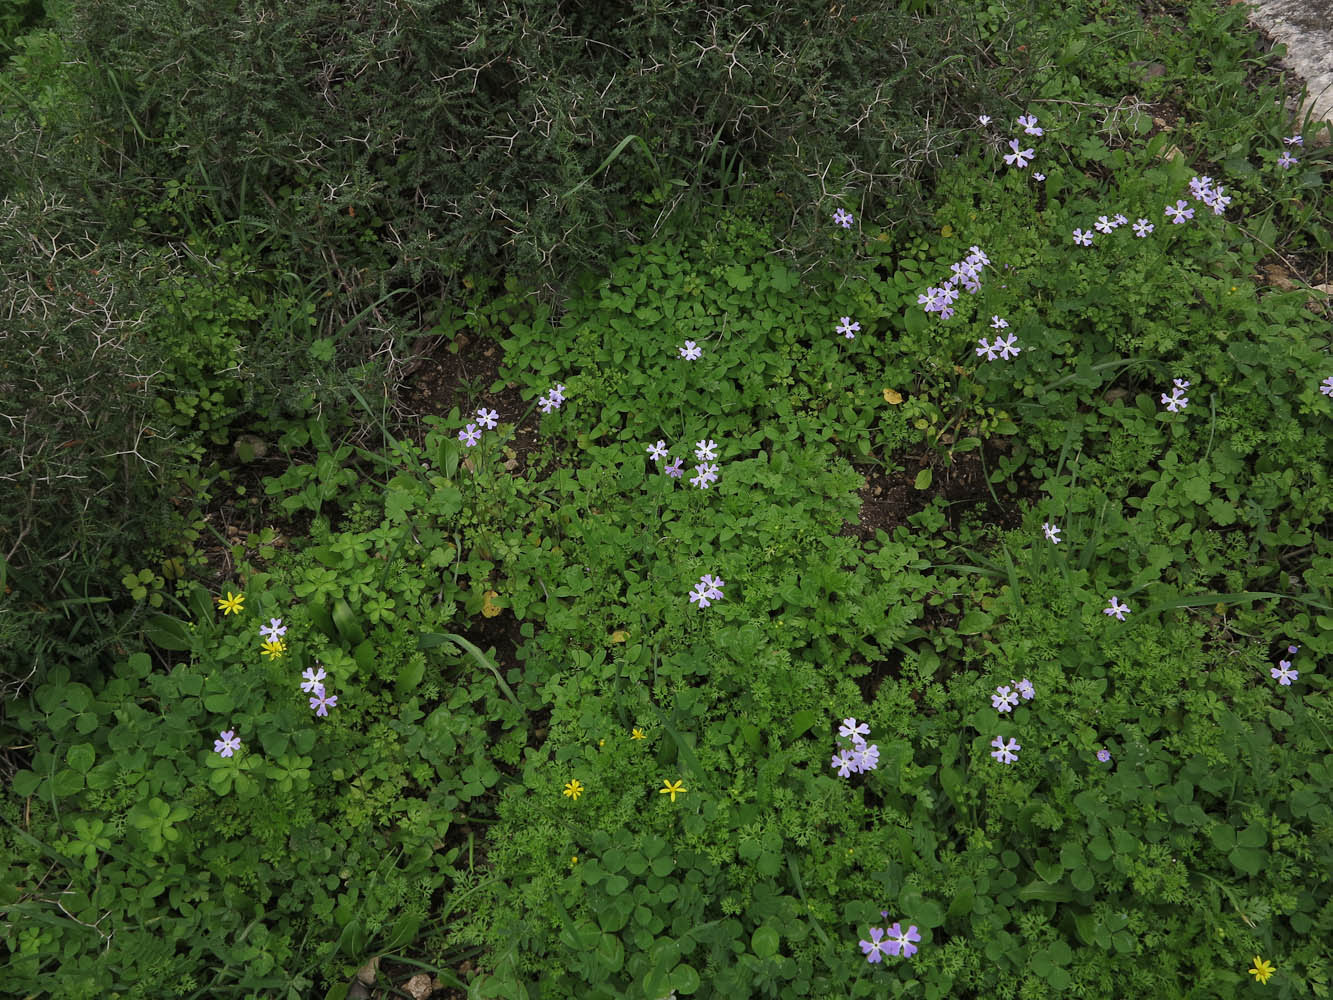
x=1177 y=401
x=892 y=942
x=860 y=757
x=966 y=272
x=707 y=590
x=1286 y=161
x=705 y=472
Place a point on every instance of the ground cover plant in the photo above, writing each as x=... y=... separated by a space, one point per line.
x=650 y=714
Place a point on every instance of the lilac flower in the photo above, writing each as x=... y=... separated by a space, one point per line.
x=1220 y=201
x=1017 y=156
x=973 y=284
x=704 y=451
x=558 y=394
x=673 y=469
x=847 y=327
x=874 y=948
x=1326 y=386
x=1025 y=689
x=1119 y=610
x=313 y=680
x=843 y=218
x=1052 y=532
x=1142 y=228
x=1176 y=401
x=948 y=294
x=274 y=630
x=229 y=743
x=714 y=584
x=706 y=474
x=1003 y=699
x=1180 y=212
x=1199 y=186
x=987 y=349
x=1295 y=140
x=321 y=703
x=1293 y=650
x=1029 y=124
x=1006 y=346
x=489 y=419
x=689 y=352
x=869 y=757
x=1103 y=224
x=1286 y=161
x=899 y=940
x=984 y=119
x=929 y=299
x=998 y=323
x=701 y=594
x=1120 y=220
x=962 y=270
x=947 y=313
x=1286 y=675
x=1103 y=755
x=1006 y=752
x=846 y=763
x=658 y=451
x=1082 y=238
x=470 y=435
x=978 y=256
x=850 y=729
x=548 y=403
x=1036 y=176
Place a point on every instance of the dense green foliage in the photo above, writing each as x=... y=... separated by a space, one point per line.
x=542 y=755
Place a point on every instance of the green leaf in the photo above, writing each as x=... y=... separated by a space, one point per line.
x=923 y=479
x=346 y=623
x=81 y=757
x=167 y=633
x=764 y=942
x=801 y=723
x=1223 y=837
x=684 y=979
x=1248 y=859
x=411 y=674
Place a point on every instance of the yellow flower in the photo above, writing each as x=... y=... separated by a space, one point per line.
x=601 y=743
x=636 y=734
x=231 y=604
x=672 y=790
x=574 y=790
x=574 y=860
x=274 y=648
x=1262 y=970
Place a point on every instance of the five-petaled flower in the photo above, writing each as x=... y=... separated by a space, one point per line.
x=998 y=323
x=1004 y=698
x=321 y=702
x=1103 y=755
x=843 y=218
x=636 y=734
x=1103 y=224
x=232 y=603
x=1005 y=345
x=847 y=328
x=1006 y=754
x=984 y=119
x=1083 y=238
x=1038 y=176
x=690 y=352
x=489 y=418
x=900 y=941
x=673 y=468
x=229 y=743
x=274 y=648
x=1294 y=140
x=1017 y=156
x=1142 y=228
x=1029 y=124
x=314 y=681
x=657 y=451
x=874 y=949
x=469 y=435
x=1262 y=969
x=1180 y=211
x=672 y=789
x=1286 y=161
x=573 y=789
x=1119 y=610
x=1326 y=387
x=1052 y=532
x=1177 y=401
x=274 y=630
x=850 y=729
x=1285 y=675
x=705 y=474
x=705 y=451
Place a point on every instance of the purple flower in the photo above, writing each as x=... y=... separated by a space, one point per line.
x=1114 y=609
x=998 y=323
x=843 y=218
x=706 y=474
x=1006 y=752
x=1103 y=755
x=1286 y=161
x=899 y=940
x=869 y=757
x=1326 y=386
x=1142 y=228
x=978 y=256
x=850 y=728
x=987 y=349
x=470 y=435
x=673 y=469
x=874 y=948
x=313 y=681
x=1180 y=211
x=1025 y=689
x=558 y=394
x=846 y=763
x=1199 y=186
x=947 y=313
x=1029 y=124
x=1017 y=156
x=984 y=119
x=1294 y=140
x=1006 y=346
x=1120 y=220
x=1176 y=401
x=1293 y=650
x=948 y=294
x=658 y=451
x=1103 y=224
x=689 y=352
x=547 y=403
x=1284 y=676
x=847 y=328
x=274 y=630
x=704 y=450
x=229 y=743
x=700 y=595
x=1036 y=176
x=1003 y=699
x=1052 y=532
x=1082 y=238
x=322 y=702
x=929 y=299
x=488 y=418
x=1220 y=201
x=714 y=584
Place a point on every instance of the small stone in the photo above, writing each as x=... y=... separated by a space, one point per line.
x=420 y=986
